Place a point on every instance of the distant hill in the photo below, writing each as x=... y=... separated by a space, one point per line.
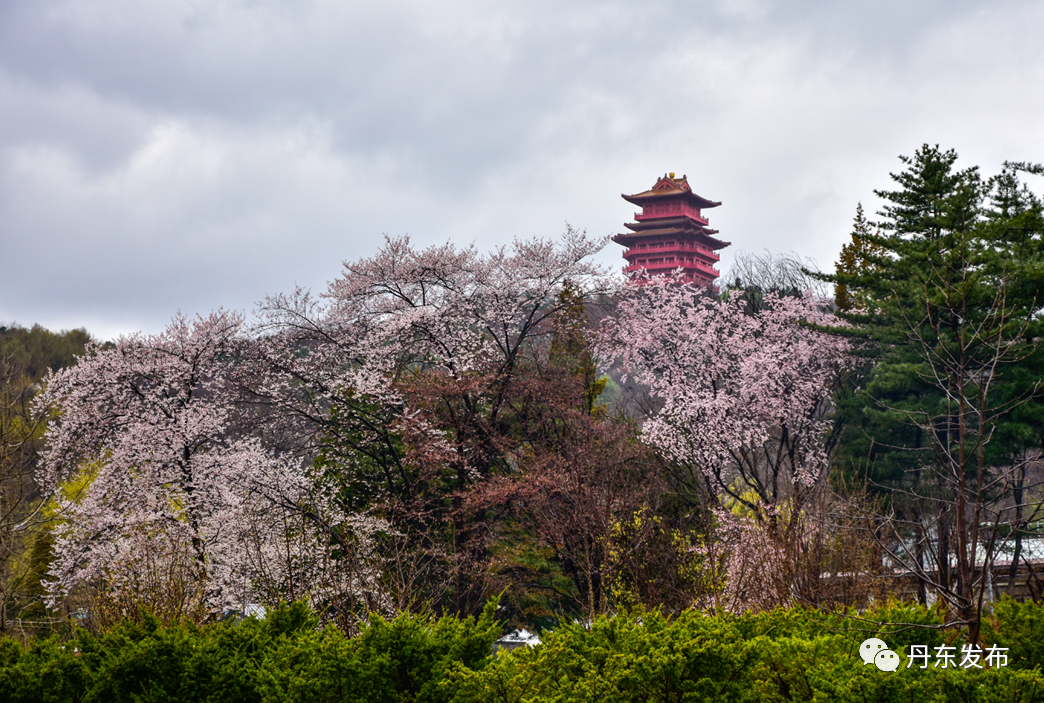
x=35 y=350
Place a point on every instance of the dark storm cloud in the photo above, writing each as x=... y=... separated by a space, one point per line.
x=165 y=155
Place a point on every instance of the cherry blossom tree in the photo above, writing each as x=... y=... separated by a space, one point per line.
x=216 y=464
x=402 y=377
x=744 y=404
x=157 y=492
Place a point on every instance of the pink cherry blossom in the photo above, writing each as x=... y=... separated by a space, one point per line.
x=154 y=486
x=745 y=399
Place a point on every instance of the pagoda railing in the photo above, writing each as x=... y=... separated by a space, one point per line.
x=664 y=216
x=672 y=265
x=660 y=270
x=673 y=247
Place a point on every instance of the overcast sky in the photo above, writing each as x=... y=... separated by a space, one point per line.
x=165 y=155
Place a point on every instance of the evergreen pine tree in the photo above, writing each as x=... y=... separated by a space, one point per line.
x=856 y=260
x=949 y=296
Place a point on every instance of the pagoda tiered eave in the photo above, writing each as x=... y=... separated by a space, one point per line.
x=643 y=199
x=702 y=235
x=671 y=235
x=683 y=222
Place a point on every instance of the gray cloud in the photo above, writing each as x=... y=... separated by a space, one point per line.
x=166 y=155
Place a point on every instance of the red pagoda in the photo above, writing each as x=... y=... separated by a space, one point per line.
x=671 y=233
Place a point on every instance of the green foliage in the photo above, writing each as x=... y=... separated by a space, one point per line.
x=281 y=658
x=784 y=655
x=856 y=260
x=361 y=458
x=955 y=269
x=26 y=356
x=47 y=672
x=571 y=347
x=944 y=295
x=549 y=592
x=1020 y=627
x=899 y=624
x=291 y=618
x=38 y=350
x=637 y=657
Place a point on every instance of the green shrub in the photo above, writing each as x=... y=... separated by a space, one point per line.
x=404 y=659
x=49 y=671
x=637 y=657
x=784 y=655
x=1020 y=628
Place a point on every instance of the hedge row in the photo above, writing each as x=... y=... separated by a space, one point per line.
x=786 y=655
x=280 y=658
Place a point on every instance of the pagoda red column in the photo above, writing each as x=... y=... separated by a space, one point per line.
x=671 y=233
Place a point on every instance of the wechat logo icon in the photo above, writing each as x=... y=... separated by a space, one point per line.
x=876 y=652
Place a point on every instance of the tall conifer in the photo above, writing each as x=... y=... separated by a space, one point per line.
x=856 y=260
x=949 y=314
